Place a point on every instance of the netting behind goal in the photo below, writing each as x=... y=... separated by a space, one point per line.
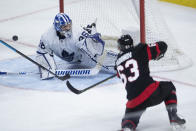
x=117 y=17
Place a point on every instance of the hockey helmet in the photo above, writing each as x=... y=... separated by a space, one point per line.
x=125 y=42
x=62 y=23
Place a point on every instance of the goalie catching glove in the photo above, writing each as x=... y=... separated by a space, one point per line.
x=90 y=41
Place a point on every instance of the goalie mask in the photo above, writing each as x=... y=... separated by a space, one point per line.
x=63 y=24
x=125 y=42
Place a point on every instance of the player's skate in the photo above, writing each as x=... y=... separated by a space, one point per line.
x=127 y=129
x=177 y=123
x=127 y=126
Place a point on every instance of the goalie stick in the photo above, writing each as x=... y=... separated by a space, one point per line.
x=63 y=72
x=71 y=72
x=76 y=91
x=17 y=73
x=28 y=58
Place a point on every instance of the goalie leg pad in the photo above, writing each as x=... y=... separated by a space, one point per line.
x=47 y=61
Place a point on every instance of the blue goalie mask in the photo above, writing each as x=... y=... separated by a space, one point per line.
x=63 y=24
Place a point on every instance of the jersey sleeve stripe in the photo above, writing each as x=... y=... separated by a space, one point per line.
x=149 y=53
x=158 y=50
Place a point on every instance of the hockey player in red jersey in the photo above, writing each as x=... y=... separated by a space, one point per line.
x=142 y=91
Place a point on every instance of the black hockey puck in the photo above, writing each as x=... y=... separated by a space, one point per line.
x=15 y=38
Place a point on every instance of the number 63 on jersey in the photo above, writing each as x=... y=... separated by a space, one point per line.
x=132 y=66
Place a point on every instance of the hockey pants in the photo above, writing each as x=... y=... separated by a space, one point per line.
x=165 y=92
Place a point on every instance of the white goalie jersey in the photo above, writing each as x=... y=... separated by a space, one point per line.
x=82 y=47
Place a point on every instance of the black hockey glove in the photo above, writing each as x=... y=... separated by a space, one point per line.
x=163 y=48
x=159 y=57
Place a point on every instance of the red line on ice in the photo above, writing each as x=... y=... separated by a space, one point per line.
x=176 y=81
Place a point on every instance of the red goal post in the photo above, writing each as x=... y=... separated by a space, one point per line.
x=61 y=6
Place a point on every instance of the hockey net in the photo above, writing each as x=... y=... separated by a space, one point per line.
x=117 y=17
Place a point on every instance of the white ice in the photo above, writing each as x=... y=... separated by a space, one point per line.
x=99 y=109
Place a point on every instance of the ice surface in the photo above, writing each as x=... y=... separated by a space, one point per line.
x=27 y=104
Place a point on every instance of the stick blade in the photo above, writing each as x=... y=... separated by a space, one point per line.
x=67 y=76
x=74 y=90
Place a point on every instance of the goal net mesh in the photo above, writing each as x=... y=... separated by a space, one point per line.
x=117 y=17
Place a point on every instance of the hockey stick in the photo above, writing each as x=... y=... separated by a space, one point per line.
x=17 y=73
x=76 y=91
x=63 y=72
x=28 y=58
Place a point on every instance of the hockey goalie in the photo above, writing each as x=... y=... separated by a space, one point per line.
x=83 y=47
